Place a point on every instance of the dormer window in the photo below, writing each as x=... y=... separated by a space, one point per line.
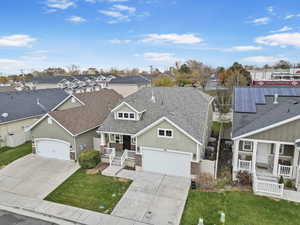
x=126 y=115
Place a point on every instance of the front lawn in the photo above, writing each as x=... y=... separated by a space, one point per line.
x=7 y=154
x=90 y=191
x=240 y=208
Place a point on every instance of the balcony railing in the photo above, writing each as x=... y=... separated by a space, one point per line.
x=267 y=187
x=244 y=165
x=285 y=171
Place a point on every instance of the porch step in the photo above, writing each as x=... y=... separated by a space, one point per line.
x=111 y=170
x=116 y=162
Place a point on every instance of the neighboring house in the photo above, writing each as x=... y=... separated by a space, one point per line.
x=124 y=85
x=20 y=109
x=266 y=133
x=71 y=127
x=159 y=129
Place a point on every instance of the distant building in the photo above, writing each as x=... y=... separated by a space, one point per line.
x=273 y=77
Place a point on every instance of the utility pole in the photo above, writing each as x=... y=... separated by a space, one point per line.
x=151 y=69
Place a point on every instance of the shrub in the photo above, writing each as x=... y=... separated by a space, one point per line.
x=89 y=159
x=281 y=180
x=289 y=184
x=244 y=178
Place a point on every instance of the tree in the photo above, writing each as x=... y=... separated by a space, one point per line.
x=73 y=70
x=163 y=81
x=200 y=72
x=282 y=64
x=3 y=79
x=236 y=75
x=184 y=69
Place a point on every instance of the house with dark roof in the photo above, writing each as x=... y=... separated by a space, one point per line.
x=20 y=109
x=159 y=129
x=266 y=135
x=71 y=126
x=124 y=85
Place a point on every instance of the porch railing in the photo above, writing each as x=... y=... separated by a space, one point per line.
x=266 y=187
x=124 y=157
x=244 y=165
x=112 y=155
x=131 y=154
x=285 y=171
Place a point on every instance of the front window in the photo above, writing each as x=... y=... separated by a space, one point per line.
x=126 y=115
x=167 y=133
x=247 y=146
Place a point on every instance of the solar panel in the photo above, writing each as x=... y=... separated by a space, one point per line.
x=246 y=99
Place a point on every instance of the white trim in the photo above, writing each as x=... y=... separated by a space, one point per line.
x=123 y=113
x=37 y=122
x=268 y=127
x=108 y=132
x=267 y=141
x=87 y=130
x=248 y=150
x=124 y=103
x=52 y=139
x=165 y=133
x=172 y=123
x=166 y=150
x=63 y=101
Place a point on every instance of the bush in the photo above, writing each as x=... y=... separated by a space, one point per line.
x=281 y=180
x=289 y=184
x=89 y=159
x=244 y=178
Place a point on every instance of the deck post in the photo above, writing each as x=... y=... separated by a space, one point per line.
x=276 y=157
x=295 y=161
x=254 y=152
x=102 y=140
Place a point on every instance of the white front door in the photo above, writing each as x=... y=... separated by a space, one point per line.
x=51 y=148
x=166 y=162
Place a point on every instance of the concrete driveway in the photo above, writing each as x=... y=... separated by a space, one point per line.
x=153 y=198
x=35 y=176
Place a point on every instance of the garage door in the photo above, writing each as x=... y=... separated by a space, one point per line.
x=53 y=149
x=167 y=162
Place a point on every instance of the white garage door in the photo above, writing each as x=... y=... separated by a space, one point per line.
x=167 y=162
x=53 y=149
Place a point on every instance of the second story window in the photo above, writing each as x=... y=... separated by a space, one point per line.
x=126 y=115
x=167 y=133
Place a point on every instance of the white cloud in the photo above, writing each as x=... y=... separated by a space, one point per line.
x=262 y=20
x=263 y=59
x=8 y=61
x=173 y=38
x=16 y=40
x=243 y=48
x=282 y=40
x=91 y=1
x=76 y=19
x=124 y=8
x=117 y=0
x=270 y=9
x=60 y=4
x=115 y=15
x=160 y=57
x=283 y=29
x=117 y=41
x=290 y=16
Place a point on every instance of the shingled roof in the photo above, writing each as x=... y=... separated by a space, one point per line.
x=184 y=106
x=81 y=119
x=24 y=104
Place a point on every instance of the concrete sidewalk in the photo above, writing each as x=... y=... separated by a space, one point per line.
x=68 y=214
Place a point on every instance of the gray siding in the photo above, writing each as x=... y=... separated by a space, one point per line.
x=86 y=139
x=179 y=142
x=69 y=104
x=52 y=131
x=287 y=133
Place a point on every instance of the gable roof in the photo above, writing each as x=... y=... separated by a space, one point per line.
x=81 y=119
x=24 y=104
x=185 y=107
x=267 y=114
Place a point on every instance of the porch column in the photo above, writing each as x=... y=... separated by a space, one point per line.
x=235 y=152
x=295 y=162
x=276 y=157
x=254 y=152
x=102 y=139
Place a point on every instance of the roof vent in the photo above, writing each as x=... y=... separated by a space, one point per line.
x=153 y=97
x=275 y=99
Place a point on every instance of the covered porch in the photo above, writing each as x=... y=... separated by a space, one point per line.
x=266 y=158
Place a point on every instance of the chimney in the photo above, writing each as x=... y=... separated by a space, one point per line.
x=275 y=99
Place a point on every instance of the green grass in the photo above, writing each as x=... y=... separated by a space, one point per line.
x=89 y=191
x=240 y=208
x=216 y=126
x=7 y=154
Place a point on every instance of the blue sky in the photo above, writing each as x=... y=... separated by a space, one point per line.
x=36 y=34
